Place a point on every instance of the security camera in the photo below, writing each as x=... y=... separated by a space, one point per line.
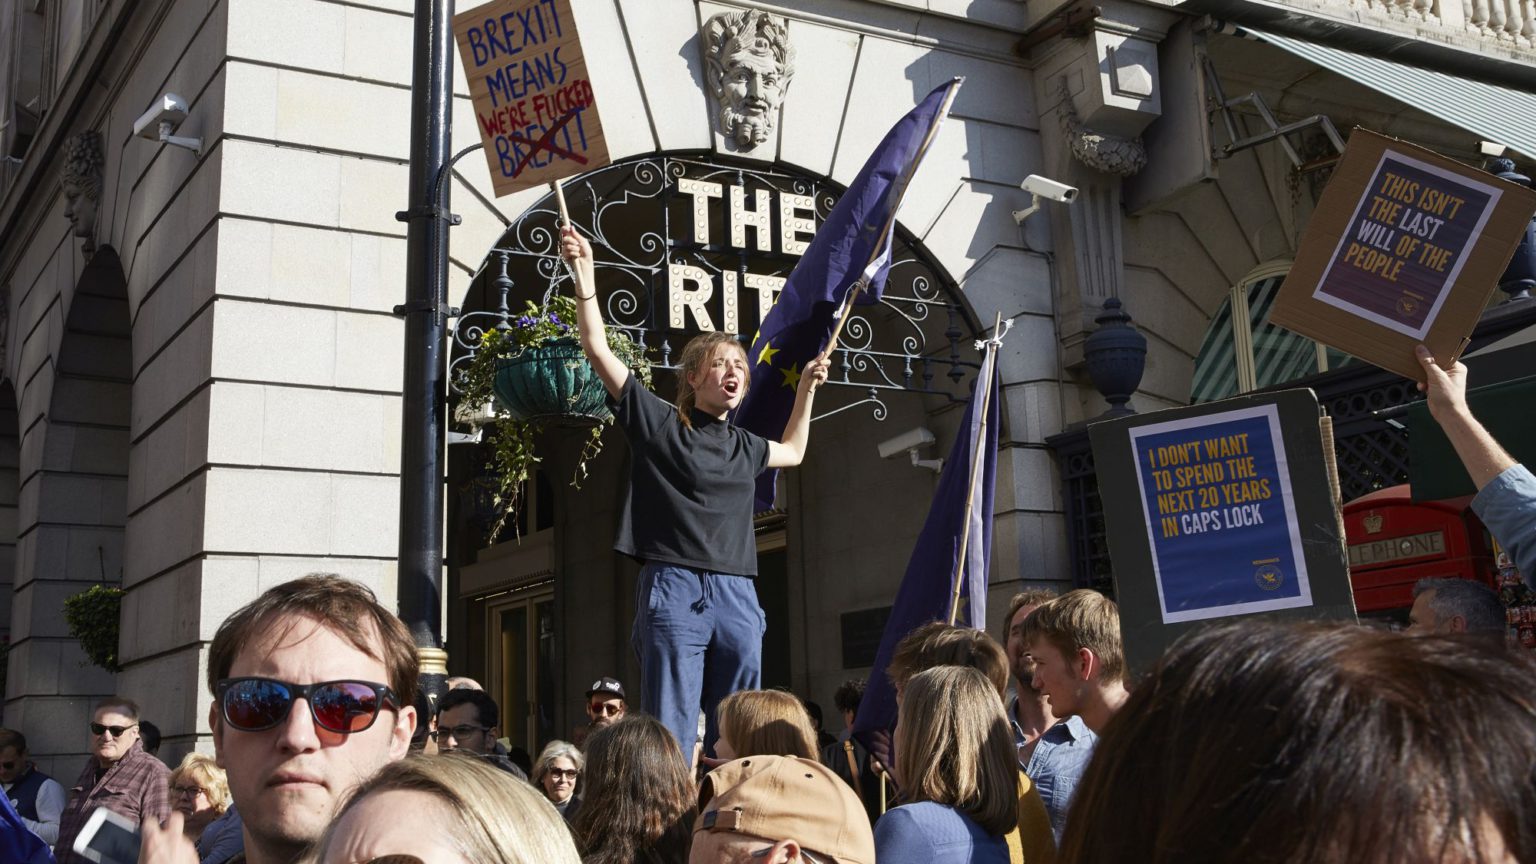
x=1045 y=187
x=908 y=440
x=169 y=108
x=1042 y=187
x=1491 y=149
x=162 y=119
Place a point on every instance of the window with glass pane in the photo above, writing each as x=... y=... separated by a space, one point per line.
x=1262 y=355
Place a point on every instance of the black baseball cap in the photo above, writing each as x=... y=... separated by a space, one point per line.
x=608 y=686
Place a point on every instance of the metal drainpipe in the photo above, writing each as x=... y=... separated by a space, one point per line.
x=420 y=571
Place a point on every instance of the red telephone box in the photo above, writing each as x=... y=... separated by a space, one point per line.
x=1394 y=542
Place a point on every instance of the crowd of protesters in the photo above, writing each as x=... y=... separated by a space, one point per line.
x=1248 y=741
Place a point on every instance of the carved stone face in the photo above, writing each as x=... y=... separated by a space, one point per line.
x=81 y=182
x=752 y=93
x=80 y=211
x=750 y=64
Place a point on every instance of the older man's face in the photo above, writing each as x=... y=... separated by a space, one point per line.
x=12 y=763
x=113 y=734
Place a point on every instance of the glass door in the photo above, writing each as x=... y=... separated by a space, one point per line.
x=522 y=628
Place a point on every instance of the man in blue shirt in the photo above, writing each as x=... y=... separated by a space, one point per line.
x=1053 y=751
x=1506 y=490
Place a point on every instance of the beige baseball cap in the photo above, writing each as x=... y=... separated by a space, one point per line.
x=787 y=798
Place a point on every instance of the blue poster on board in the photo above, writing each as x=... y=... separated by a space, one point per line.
x=1220 y=516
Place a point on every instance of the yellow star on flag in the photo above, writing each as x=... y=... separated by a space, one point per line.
x=765 y=357
x=792 y=376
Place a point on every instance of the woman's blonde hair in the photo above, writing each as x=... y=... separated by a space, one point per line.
x=499 y=818
x=200 y=768
x=954 y=747
x=699 y=351
x=767 y=723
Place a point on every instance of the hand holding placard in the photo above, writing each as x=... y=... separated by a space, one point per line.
x=1404 y=247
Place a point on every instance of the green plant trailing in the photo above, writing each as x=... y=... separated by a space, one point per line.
x=542 y=347
x=93 y=617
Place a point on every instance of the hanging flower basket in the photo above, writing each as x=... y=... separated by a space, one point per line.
x=551 y=383
x=532 y=370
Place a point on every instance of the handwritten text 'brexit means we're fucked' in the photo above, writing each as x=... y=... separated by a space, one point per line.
x=532 y=92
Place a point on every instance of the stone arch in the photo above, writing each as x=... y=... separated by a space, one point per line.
x=644 y=219
x=73 y=481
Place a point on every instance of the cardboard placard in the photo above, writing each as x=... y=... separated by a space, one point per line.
x=1219 y=510
x=1405 y=247
x=534 y=104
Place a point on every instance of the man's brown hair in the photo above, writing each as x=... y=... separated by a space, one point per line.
x=1028 y=597
x=939 y=644
x=342 y=606
x=1082 y=619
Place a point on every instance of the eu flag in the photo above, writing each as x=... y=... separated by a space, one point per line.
x=853 y=243
x=927 y=589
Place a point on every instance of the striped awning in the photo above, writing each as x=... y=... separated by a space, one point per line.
x=1492 y=113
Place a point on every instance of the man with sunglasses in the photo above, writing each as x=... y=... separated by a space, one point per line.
x=466 y=722
x=605 y=703
x=120 y=776
x=37 y=798
x=312 y=693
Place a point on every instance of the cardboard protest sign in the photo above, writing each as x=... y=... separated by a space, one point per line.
x=533 y=100
x=1405 y=247
x=1219 y=510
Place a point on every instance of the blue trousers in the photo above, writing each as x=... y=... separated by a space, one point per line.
x=699 y=637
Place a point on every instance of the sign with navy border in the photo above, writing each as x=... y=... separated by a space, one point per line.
x=1219 y=515
x=1219 y=510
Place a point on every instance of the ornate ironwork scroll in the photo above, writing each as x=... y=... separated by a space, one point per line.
x=684 y=245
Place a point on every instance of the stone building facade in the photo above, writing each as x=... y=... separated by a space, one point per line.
x=202 y=369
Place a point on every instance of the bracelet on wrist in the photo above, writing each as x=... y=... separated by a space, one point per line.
x=581 y=296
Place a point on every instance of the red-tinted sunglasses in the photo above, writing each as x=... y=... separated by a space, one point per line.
x=255 y=704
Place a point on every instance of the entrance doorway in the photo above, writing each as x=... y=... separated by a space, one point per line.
x=521 y=630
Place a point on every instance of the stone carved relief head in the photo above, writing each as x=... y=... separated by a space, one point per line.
x=749 y=63
x=82 y=185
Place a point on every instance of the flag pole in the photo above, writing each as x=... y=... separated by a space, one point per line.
x=862 y=282
x=977 y=459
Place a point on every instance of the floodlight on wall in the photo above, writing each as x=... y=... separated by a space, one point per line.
x=1491 y=149
x=162 y=119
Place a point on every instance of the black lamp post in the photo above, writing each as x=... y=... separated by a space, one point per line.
x=423 y=403
x=1520 y=276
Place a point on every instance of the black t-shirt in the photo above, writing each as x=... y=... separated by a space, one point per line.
x=690 y=492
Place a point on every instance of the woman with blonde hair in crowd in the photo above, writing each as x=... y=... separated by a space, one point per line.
x=200 y=793
x=555 y=774
x=639 y=801
x=958 y=773
x=765 y=723
x=441 y=809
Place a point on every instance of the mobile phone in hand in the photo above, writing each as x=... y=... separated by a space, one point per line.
x=108 y=838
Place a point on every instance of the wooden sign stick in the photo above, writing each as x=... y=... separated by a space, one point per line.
x=565 y=215
x=977 y=460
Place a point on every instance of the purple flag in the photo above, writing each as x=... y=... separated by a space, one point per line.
x=854 y=242
x=926 y=590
